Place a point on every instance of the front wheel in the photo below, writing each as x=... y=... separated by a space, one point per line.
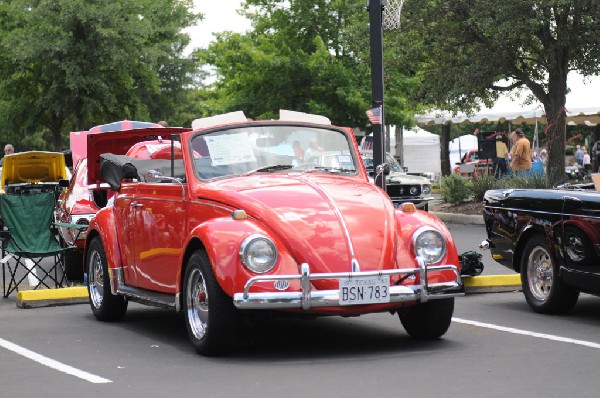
x=211 y=319
x=543 y=289
x=428 y=321
x=105 y=305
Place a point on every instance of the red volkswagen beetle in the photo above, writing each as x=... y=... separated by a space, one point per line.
x=240 y=224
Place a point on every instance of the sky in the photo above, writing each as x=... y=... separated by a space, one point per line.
x=221 y=15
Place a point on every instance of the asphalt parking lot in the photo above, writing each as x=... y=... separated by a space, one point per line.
x=495 y=347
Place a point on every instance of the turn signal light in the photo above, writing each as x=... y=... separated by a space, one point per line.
x=408 y=207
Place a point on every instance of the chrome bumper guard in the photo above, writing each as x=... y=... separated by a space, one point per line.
x=308 y=298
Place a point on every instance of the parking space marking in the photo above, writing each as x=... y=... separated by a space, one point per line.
x=51 y=363
x=527 y=333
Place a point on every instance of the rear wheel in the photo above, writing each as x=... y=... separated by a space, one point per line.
x=211 y=319
x=543 y=289
x=105 y=305
x=429 y=320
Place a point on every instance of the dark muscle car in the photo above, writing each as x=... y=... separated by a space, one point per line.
x=551 y=237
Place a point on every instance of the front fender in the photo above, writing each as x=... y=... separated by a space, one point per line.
x=222 y=238
x=104 y=226
x=408 y=223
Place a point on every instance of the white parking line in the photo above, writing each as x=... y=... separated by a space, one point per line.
x=527 y=333
x=51 y=363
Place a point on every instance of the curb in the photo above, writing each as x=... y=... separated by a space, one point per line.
x=456 y=218
x=492 y=283
x=79 y=294
x=52 y=297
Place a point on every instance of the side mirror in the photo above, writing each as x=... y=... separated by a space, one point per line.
x=63 y=183
x=383 y=168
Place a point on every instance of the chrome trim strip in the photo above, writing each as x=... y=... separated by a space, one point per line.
x=540 y=212
x=227 y=209
x=308 y=298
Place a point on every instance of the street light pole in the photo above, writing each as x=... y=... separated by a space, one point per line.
x=376 y=35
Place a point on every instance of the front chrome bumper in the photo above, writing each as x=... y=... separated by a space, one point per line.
x=308 y=298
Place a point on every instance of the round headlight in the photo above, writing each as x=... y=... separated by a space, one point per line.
x=426 y=189
x=414 y=191
x=258 y=254
x=430 y=245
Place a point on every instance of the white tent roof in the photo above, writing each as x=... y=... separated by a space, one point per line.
x=588 y=116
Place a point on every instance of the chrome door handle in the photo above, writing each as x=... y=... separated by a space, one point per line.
x=136 y=204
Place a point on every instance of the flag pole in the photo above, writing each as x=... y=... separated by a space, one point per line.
x=376 y=42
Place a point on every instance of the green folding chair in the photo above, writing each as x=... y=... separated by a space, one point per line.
x=28 y=238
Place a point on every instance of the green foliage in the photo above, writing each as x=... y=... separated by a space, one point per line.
x=68 y=65
x=309 y=56
x=480 y=184
x=454 y=189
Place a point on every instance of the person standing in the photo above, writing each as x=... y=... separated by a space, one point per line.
x=521 y=154
x=8 y=150
x=579 y=155
x=501 y=157
x=587 y=160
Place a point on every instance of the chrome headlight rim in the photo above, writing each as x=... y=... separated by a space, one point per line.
x=421 y=234
x=425 y=189
x=248 y=254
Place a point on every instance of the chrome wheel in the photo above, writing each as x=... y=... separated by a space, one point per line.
x=540 y=273
x=96 y=279
x=197 y=304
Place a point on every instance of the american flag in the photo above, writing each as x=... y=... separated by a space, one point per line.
x=374 y=115
x=367 y=143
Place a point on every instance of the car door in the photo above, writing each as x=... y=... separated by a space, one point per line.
x=155 y=230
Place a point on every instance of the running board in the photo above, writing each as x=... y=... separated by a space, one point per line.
x=149 y=297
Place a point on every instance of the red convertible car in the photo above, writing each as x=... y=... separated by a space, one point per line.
x=239 y=225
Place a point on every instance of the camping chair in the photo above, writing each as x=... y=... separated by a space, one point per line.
x=28 y=239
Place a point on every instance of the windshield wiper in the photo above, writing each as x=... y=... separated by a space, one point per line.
x=268 y=169
x=329 y=169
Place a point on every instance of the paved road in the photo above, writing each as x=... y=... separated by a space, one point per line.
x=148 y=355
x=468 y=237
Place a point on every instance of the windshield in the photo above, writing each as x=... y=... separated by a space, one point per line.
x=394 y=165
x=269 y=149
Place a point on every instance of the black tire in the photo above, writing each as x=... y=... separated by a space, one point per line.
x=105 y=305
x=211 y=319
x=544 y=291
x=73 y=265
x=428 y=321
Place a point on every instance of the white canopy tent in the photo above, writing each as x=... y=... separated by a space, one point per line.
x=421 y=151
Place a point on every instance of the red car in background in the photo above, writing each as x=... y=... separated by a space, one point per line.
x=81 y=198
x=470 y=165
x=240 y=226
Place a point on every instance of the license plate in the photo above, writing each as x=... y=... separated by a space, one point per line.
x=365 y=290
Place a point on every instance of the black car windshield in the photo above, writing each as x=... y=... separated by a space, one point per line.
x=271 y=149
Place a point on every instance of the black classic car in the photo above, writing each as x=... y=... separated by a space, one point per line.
x=551 y=237
x=400 y=186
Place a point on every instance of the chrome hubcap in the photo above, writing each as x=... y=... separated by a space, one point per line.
x=540 y=274
x=96 y=279
x=197 y=304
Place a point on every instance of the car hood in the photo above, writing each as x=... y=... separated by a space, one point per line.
x=323 y=220
x=402 y=178
x=33 y=167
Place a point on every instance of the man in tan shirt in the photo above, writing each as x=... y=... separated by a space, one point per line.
x=520 y=154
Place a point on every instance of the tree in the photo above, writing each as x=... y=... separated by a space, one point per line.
x=72 y=64
x=309 y=56
x=469 y=51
